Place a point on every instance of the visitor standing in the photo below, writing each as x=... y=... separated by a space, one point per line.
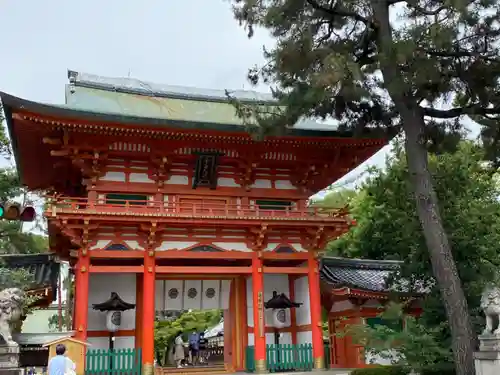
x=202 y=347
x=194 y=347
x=60 y=364
x=178 y=350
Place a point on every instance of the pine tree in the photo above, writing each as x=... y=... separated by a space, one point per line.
x=415 y=65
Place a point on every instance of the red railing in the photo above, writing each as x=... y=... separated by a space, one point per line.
x=70 y=205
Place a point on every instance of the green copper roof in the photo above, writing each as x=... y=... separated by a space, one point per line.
x=132 y=97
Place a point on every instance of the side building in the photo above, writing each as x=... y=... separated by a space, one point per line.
x=160 y=195
x=355 y=292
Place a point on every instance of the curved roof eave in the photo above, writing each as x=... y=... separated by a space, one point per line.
x=12 y=103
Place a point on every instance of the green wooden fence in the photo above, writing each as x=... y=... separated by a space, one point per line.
x=328 y=355
x=283 y=357
x=113 y=362
x=250 y=359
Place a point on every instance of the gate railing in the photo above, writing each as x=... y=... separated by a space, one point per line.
x=283 y=357
x=113 y=362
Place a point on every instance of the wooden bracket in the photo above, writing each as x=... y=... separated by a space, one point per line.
x=316 y=238
x=260 y=234
x=78 y=234
x=161 y=168
x=152 y=231
x=246 y=176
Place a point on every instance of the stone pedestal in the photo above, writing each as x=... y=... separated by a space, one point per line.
x=487 y=359
x=9 y=360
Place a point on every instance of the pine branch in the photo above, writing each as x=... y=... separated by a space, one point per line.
x=337 y=11
x=475 y=109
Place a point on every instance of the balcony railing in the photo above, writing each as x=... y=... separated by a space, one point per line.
x=84 y=206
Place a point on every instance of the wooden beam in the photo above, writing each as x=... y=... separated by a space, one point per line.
x=287 y=270
x=110 y=254
x=182 y=254
x=202 y=270
x=120 y=333
x=284 y=256
x=116 y=269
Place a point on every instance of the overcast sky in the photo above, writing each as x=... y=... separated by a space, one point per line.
x=189 y=42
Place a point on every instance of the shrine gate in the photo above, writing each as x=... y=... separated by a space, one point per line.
x=159 y=194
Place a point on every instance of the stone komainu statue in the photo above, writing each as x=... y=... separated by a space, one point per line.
x=490 y=303
x=11 y=305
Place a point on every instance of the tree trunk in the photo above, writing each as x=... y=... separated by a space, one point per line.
x=443 y=264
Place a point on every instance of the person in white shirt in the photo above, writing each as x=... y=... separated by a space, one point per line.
x=60 y=364
x=179 y=354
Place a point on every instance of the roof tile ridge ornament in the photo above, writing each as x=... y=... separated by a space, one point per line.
x=72 y=77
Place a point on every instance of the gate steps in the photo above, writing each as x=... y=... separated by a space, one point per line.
x=210 y=370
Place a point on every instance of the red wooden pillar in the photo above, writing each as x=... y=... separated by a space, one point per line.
x=138 y=310
x=81 y=308
x=293 y=312
x=148 y=313
x=258 y=314
x=315 y=303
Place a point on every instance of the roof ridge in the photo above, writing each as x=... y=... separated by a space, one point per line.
x=140 y=87
x=361 y=263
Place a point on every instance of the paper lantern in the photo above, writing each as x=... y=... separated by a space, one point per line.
x=113 y=320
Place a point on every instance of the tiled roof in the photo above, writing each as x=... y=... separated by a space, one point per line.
x=45 y=268
x=139 y=87
x=143 y=91
x=368 y=275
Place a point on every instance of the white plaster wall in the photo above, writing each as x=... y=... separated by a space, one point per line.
x=177 y=180
x=175 y=245
x=271 y=246
x=237 y=246
x=249 y=305
x=269 y=338
x=227 y=182
x=100 y=287
x=140 y=177
x=181 y=245
x=304 y=337
x=261 y=184
x=284 y=185
x=285 y=338
x=272 y=282
x=303 y=313
x=113 y=176
x=125 y=342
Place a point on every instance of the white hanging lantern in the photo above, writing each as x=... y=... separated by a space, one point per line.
x=113 y=320
x=280 y=318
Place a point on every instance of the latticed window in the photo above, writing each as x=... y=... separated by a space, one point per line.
x=130 y=199
x=265 y=204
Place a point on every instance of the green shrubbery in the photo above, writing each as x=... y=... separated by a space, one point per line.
x=382 y=370
x=444 y=369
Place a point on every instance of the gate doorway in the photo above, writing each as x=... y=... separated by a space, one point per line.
x=199 y=324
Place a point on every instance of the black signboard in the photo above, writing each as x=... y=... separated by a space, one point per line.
x=205 y=173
